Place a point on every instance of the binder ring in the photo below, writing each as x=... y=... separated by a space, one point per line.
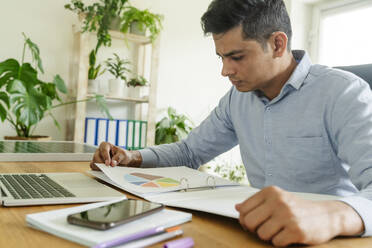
x=184 y=180
x=213 y=180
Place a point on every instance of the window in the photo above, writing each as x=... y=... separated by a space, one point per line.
x=345 y=36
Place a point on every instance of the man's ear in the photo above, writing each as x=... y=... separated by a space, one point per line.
x=278 y=42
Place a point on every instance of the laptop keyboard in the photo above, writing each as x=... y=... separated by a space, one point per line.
x=32 y=186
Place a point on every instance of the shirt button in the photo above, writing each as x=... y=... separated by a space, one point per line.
x=268 y=108
x=270 y=175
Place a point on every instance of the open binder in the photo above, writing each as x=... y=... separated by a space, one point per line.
x=197 y=191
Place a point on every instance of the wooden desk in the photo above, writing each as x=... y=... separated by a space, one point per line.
x=207 y=230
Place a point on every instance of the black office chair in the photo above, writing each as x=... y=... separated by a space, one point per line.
x=363 y=71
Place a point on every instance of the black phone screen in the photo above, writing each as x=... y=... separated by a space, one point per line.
x=114 y=214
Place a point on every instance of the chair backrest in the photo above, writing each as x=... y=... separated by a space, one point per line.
x=363 y=71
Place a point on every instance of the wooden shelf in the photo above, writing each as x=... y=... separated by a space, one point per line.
x=125 y=99
x=82 y=48
x=138 y=39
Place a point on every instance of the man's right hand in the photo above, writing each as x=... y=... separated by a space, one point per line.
x=112 y=155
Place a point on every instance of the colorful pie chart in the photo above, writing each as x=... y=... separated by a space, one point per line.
x=147 y=180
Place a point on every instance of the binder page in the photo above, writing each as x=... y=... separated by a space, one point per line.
x=220 y=201
x=140 y=181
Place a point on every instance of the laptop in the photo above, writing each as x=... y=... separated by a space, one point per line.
x=25 y=189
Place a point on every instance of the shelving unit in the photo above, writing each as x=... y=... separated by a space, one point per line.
x=80 y=77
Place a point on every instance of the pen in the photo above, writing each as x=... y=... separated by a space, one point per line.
x=153 y=239
x=131 y=237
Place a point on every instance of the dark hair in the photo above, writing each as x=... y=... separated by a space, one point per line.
x=259 y=18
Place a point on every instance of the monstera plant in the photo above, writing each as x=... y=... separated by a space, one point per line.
x=25 y=99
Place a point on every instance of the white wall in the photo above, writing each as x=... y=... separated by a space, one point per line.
x=189 y=71
x=300 y=12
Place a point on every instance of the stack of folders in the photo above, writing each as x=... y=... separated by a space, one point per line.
x=128 y=134
x=55 y=222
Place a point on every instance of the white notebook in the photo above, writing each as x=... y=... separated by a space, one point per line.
x=55 y=222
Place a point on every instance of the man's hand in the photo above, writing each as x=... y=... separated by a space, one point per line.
x=113 y=155
x=283 y=218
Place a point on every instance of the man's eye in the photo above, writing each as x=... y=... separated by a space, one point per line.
x=237 y=58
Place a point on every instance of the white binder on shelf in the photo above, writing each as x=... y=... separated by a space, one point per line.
x=90 y=131
x=121 y=133
x=111 y=134
x=137 y=135
x=130 y=137
x=143 y=134
x=102 y=131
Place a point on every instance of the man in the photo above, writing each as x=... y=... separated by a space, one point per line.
x=300 y=127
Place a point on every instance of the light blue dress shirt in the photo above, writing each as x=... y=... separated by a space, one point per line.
x=315 y=136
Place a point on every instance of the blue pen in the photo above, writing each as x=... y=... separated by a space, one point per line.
x=128 y=238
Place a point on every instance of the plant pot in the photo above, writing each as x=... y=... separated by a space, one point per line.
x=93 y=85
x=115 y=23
x=116 y=87
x=134 y=91
x=34 y=138
x=103 y=87
x=135 y=28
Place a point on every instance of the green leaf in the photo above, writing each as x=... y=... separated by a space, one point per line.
x=35 y=52
x=4 y=97
x=61 y=86
x=9 y=65
x=7 y=78
x=29 y=107
x=49 y=89
x=28 y=75
x=101 y=102
x=3 y=113
x=55 y=121
x=16 y=86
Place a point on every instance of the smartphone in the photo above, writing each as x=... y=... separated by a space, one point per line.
x=112 y=215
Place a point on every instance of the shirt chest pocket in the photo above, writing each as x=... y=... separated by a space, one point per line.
x=309 y=159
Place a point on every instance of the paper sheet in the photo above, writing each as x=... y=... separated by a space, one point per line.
x=141 y=181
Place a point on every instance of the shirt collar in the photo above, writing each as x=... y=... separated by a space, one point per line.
x=297 y=78
x=302 y=69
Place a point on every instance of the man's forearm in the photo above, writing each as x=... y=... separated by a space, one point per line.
x=135 y=159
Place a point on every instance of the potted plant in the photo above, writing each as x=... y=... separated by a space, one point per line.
x=98 y=17
x=118 y=68
x=134 y=85
x=172 y=128
x=139 y=21
x=93 y=72
x=25 y=99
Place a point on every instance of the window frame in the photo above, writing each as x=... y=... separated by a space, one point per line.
x=324 y=8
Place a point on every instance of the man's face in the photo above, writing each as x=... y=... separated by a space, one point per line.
x=245 y=62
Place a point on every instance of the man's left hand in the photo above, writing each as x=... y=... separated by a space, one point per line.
x=283 y=218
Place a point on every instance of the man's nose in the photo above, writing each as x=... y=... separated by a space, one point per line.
x=227 y=70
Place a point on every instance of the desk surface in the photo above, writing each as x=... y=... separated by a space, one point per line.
x=207 y=230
